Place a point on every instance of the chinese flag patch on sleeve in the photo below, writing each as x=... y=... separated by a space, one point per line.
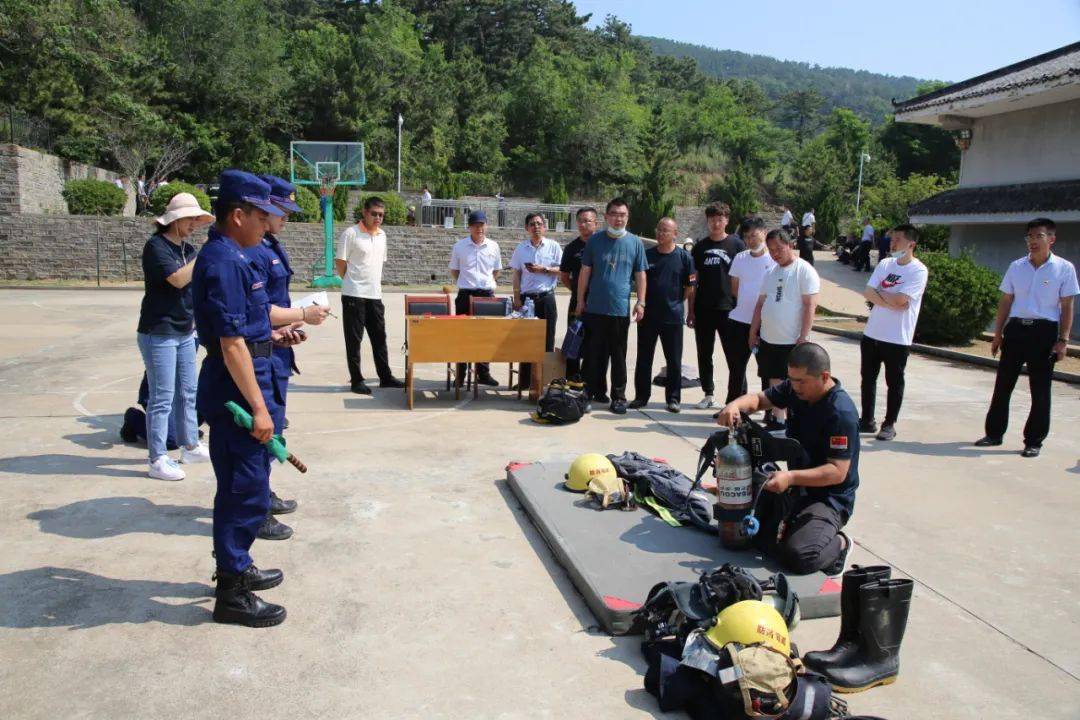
x=838 y=442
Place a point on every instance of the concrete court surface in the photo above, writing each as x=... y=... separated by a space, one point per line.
x=416 y=586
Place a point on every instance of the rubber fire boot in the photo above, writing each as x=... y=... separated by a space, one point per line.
x=848 y=642
x=237 y=604
x=883 y=615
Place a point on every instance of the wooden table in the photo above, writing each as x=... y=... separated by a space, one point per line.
x=462 y=339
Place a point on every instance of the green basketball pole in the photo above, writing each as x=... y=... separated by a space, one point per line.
x=329 y=278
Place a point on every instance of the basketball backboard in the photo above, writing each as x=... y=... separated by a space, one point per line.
x=335 y=163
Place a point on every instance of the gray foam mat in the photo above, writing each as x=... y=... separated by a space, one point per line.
x=614 y=557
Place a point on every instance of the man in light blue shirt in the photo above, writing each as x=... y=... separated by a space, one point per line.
x=535 y=263
x=611 y=258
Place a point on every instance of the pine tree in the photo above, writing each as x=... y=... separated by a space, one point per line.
x=650 y=201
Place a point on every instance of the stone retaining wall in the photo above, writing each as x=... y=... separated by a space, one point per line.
x=32 y=181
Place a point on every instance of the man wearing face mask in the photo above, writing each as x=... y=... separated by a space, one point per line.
x=748 y=271
x=612 y=259
x=895 y=293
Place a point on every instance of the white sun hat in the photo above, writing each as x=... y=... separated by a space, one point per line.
x=183 y=205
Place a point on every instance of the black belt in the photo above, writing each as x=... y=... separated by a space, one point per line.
x=537 y=296
x=262 y=349
x=475 y=291
x=1033 y=321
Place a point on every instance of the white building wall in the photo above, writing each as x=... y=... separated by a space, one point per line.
x=1036 y=145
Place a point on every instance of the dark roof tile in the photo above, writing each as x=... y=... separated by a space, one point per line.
x=1045 y=197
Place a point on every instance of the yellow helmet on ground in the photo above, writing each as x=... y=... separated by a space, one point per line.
x=750 y=622
x=586 y=468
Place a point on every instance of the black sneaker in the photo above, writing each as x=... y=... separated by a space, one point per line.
x=281 y=507
x=673 y=407
x=637 y=403
x=487 y=380
x=888 y=432
x=987 y=441
x=618 y=406
x=1030 y=451
x=837 y=568
x=391 y=382
x=361 y=388
x=867 y=427
x=272 y=529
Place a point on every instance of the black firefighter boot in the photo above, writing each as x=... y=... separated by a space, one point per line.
x=848 y=642
x=237 y=604
x=883 y=615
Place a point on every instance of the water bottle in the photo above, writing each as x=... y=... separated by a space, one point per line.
x=529 y=308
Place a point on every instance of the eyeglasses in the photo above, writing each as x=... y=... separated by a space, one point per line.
x=536 y=223
x=1037 y=236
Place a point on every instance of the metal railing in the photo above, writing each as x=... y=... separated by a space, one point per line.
x=500 y=213
x=19 y=128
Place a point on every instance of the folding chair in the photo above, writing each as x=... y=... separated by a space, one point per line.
x=435 y=305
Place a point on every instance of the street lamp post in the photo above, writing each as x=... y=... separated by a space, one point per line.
x=400 y=122
x=858 y=192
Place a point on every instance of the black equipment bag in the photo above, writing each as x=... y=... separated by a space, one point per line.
x=563 y=402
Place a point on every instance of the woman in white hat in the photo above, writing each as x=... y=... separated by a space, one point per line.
x=166 y=336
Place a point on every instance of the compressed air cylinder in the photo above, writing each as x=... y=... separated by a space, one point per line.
x=734 y=491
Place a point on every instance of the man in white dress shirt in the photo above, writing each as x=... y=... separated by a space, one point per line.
x=536 y=272
x=475 y=263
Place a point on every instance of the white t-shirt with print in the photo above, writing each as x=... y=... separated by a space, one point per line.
x=889 y=324
x=751 y=272
x=783 y=288
x=364 y=254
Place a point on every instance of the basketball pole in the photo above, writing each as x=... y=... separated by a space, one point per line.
x=329 y=279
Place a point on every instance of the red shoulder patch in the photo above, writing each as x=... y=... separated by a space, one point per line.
x=838 y=442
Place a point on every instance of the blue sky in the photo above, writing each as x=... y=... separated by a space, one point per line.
x=932 y=39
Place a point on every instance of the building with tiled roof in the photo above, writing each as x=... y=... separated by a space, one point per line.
x=1018 y=129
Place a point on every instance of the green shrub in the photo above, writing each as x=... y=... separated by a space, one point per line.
x=397 y=212
x=556 y=193
x=160 y=198
x=959 y=302
x=94 y=197
x=379 y=178
x=309 y=206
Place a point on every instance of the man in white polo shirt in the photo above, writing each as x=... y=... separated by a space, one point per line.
x=784 y=312
x=475 y=263
x=895 y=292
x=1032 y=327
x=361 y=252
x=536 y=271
x=747 y=272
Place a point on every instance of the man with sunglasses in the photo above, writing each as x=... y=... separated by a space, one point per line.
x=361 y=253
x=1032 y=327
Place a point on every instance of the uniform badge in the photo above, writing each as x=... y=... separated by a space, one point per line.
x=257 y=285
x=292 y=197
x=838 y=442
x=275 y=261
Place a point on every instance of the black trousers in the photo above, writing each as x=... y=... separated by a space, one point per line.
x=671 y=339
x=861 y=258
x=736 y=342
x=809 y=540
x=707 y=325
x=1025 y=342
x=894 y=356
x=607 y=343
x=358 y=315
x=461 y=307
x=545 y=307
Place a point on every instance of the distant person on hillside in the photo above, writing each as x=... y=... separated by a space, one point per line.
x=425 y=206
x=787 y=219
x=808 y=219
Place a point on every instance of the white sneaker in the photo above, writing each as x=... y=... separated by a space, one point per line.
x=165 y=468
x=199 y=454
x=707 y=403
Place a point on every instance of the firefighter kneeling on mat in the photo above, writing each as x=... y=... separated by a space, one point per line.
x=803 y=509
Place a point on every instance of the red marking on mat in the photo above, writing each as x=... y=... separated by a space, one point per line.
x=514 y=465
x=660 y=460
x=829 y=586
x=617 y=603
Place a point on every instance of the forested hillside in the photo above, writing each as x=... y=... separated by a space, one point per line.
x=868 y=94
x=497 y=95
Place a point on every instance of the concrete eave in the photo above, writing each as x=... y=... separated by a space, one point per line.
x=995 y=218
x=946 y=114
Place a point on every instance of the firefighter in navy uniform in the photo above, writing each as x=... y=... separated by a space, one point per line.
x=233 y=321
x=804 y=508
x=277 y=274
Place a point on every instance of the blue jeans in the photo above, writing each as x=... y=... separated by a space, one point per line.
x=170 y=372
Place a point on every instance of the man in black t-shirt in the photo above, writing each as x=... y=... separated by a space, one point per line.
x=669 y=277
x=712 y=299
x=569 y=271
x=804 y=507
